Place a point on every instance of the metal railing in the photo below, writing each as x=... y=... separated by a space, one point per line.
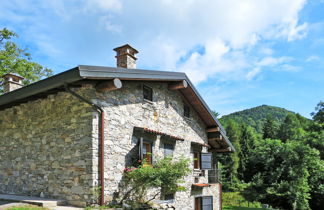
x=214 y=176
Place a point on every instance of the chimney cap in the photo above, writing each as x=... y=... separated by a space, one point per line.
x=13 y=75
x=126 y=46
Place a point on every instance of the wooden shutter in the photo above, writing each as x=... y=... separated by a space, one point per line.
x=207 y=203
x=140 y=149
x=206 y=161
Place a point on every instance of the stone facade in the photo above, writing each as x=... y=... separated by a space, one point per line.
x=51 y=145
x=45 y=146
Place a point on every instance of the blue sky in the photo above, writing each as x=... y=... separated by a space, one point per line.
x=239 y=53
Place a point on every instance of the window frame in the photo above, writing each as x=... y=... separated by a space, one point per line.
x=149 y=149
x=199 y=202
x=150 y=93
x=196 y=160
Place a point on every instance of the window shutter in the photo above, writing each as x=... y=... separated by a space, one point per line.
x=206 y=161
x=207 y=203
x=140 y=149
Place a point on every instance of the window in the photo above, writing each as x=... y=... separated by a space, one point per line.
x=202 y=161
x=186 y=111
x=147 y=93
x=204 y=203
x=168 y=150
x=196 y=160
x=169 y=196
x=145 y=151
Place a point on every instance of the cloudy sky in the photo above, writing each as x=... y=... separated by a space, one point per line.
x=239 y=53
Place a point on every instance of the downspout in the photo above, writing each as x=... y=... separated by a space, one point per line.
x=101 y=140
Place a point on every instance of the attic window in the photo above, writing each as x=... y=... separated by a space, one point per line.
x=186 y=111
x=147 y=93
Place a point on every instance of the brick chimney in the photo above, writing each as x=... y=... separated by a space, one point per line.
x=12 y=82
x=126 y=57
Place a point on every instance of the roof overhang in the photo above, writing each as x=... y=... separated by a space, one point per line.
x=56 y=83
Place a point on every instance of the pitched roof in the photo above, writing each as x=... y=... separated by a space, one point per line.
x=83 y=72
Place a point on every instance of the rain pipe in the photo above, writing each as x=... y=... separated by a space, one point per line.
x=101 y=139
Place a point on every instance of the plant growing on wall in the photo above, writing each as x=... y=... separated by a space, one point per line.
x=165 y=175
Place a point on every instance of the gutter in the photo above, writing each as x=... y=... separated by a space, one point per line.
x=101 y=140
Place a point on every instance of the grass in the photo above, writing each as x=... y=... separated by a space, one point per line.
x=235 y=201
x=26 y=207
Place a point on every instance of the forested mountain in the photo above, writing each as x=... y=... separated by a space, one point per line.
x=256 y=116
x=279 y=158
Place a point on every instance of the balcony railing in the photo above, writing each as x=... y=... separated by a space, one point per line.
x=214 y=176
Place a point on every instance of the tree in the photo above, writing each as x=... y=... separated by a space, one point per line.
x=164 y=174
x=281 y=173
x=248 y=140
x=231 y=162
x=318 y=115
x=270 y=128
x=17 y=60
x=291 y=128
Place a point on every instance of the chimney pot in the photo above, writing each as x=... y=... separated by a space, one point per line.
x=12 y=82
x=126 y=56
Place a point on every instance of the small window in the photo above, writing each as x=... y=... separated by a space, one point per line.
x=204 y=203
x=168 y=150
x=169 y=196
x=186 y=111
x=196 y=160
x=147 y=152
x=147 y=93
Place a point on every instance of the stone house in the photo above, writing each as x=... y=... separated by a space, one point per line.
x=67 y=135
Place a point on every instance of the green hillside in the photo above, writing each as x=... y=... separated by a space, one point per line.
x=255 y=117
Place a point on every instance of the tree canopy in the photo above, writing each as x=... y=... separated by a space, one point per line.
x=281 y=164
x=14 y=59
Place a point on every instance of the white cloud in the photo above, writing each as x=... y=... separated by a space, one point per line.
x=312 y=58
x=103 y=5
x=167 y=32
x=269 y=62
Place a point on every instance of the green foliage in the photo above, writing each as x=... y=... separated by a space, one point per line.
x=231 y=162
x=291 y=128
x=16 y=60
x=256 y=116
x=236 y=199
x=165 y=174
x=270 y=127
x=318 y=115
x=288 y=172
x=280 y=173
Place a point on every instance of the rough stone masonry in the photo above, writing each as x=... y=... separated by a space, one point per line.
x=50 y=145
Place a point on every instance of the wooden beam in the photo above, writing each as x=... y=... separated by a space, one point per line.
x=213 y=129
x=214 y=135
x=216 y=139
x=228 y=149
x=178 y=85
x=109 y=85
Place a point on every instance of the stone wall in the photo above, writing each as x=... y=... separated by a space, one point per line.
x=126 y=109
x=45 y=146
x=51 y=145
